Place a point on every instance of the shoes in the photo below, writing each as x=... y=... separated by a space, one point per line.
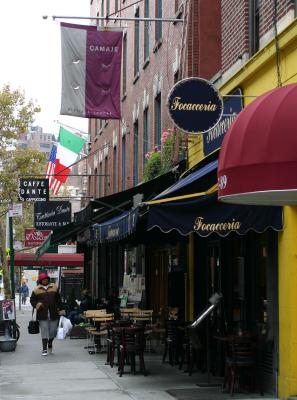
x=50 y=350
x=44 y=353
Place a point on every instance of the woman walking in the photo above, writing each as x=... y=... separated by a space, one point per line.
x=46 y=299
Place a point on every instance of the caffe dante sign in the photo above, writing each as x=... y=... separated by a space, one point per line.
x=33 y=190
x=195 y=105
x=52 y=214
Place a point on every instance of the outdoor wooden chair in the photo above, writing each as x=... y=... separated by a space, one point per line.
x=88 y=316
x=132 y=345
x=127 y=313
x=145 y=318
x=240 y=362
x=172 y=341
x=100 y=332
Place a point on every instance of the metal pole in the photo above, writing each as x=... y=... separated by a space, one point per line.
x=12 y=282
x=107 y=18
x=20 y=285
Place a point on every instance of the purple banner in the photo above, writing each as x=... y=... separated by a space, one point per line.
x=91 y=72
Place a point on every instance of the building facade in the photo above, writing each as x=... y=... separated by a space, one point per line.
x=36 y=139
x=245 y=47
x=155 y=56
x=258 y=54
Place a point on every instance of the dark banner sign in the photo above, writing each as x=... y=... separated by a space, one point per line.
x=212 y=139
x=195 y=105
x=33 y=190
x=83 y=216
x=33 y=237
x=52 y=214
x=116 y=228
x=206 y=216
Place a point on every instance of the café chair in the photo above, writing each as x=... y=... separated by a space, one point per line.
x=240 y=362
x=145 y=318
x=191 y=349
x=100 y=332
x=173 y=337
x=114 y=340
x=132 y=345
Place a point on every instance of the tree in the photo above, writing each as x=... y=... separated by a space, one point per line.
x=16 y=114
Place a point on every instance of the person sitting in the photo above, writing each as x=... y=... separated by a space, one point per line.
x=71 y=302
x=113 y=303
x=85 y=304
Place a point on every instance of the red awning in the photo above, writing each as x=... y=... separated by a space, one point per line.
x=258 y=157
x=49 y=259
x=72 y=271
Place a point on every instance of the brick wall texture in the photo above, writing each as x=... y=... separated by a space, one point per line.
x=216 y=34
x=236 y=25
x=160 y=69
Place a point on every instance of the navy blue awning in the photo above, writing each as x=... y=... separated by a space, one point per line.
x=193 y=182
x=206 y=215
x=116 y=228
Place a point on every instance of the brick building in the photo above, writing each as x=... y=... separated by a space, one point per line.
x=155 y=56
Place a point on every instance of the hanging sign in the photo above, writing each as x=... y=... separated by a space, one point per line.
x=195 y=105
x=33 y=190
x=213 y=139
x=91 y=72
x=15 y=210
x=52 y=214
x=33 y=237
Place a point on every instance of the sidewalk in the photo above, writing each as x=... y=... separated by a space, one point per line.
x=71 y=373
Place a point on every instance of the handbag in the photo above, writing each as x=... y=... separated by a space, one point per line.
x=33 y=327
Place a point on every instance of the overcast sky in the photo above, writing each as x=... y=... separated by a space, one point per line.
x=30 y=54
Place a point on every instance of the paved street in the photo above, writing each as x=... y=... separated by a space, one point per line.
x=72 y=373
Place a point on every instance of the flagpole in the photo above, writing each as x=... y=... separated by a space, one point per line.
x=107 y=18
x=79 y=131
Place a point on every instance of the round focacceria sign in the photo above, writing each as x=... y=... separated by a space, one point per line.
x=195 y=105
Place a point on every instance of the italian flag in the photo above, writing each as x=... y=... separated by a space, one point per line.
x=68 y=148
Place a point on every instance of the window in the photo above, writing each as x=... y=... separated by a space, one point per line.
x=176 y=77
x=107 y=7
x=114 y=170
x=135 y=154
x=254 y=26
x=102 y=11
x=100 y=126
x=124 y=163
x=124 y=64
x=89 y=186
x=116 y=5
x=145 y=134
x=177 y=7
x=146 y=30
x=100 y=179
x=45 y=145
x=158 y=26
x=136 y=44
x=105 y=176
x=158 y=120
x=96 y=182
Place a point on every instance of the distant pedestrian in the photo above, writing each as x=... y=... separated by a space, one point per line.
x=47 y=301
x=24 y=292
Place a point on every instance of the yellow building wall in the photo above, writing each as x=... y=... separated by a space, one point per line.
x=256 y=77
x=288 y=305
